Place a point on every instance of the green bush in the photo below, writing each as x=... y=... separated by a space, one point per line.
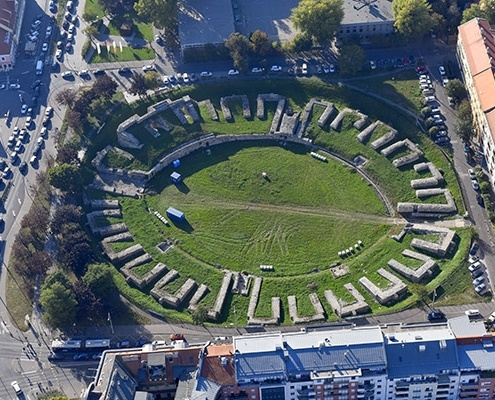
x=85 y=49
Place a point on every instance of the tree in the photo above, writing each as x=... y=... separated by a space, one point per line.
x=74 y=120
x=262 y=45
x=239 y=47
x=104 y=86
x=320 y=19
x=68 y=153
x=89 y=306
x=138 y=85
x=464 y=123
x=112 y=7
x=99 y=278
x=66 y=214
x=200 y=315
x=425 y=112
x=66 y=97
x=488 y=9
x=59 y=304
x=162 y=13
x=456 y=89
x=301 y=42
x=151 y=79
x=40 y=263
x=91 y=32
x=473 y=11
x=66 y=177
x=74 y=250
x=453 y=17
x=57 y=276
x=351 y=58
x=413 y=18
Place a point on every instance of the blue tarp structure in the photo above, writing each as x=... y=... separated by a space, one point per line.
x=175 y=177
x=175 y=214
x=176 y=163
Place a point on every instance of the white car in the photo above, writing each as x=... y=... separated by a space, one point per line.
x=44 y=47
x=472 y=313
x=150 y=67
x=14 y=86
x=478 y=280
x=233 y=72
x=58 y=54
x=480 y=288
x=2 y=86
x=44 y=132
x=205 y=74
x=474 y=266
x=185 y=78
x=472 y=175
x=29 y=121
x=48 y=31
x=24 y=108
x=276 y=68
x=372 y=65
x=445 y=81
x=441 y=69
x=257 y=70
x=430 y=99
x=304 y=69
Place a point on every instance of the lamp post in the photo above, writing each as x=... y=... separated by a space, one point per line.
x=109 y=319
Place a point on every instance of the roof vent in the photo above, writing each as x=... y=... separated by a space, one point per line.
x=418 y=338
x=223 y=361
x=443 y=344
x=422 y=348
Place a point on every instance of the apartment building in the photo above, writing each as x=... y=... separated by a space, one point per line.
x=11 y=12
x=454 y=360
x=476 y=57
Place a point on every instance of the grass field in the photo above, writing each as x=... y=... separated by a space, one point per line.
x=127 y=54
x=296 y=220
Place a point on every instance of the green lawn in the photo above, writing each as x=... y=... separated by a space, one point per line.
x=127 y=54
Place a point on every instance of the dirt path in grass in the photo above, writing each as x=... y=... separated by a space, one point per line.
x=304 y=210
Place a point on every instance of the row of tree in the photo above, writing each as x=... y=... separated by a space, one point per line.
x=241 y=48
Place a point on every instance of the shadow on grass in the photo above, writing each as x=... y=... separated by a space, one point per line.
x=183 y=225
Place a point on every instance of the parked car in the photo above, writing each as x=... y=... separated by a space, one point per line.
x=476 y=273
x=48 y=31
x=205 y=74
x=99 y=72
x=14 y=86
x=124 y=71
x=480 y=288
x=304 y=69
x=474 y=248
x=275 y=68
x=472 y=313
x=24 y=108
x=67 y=75
x=55 y=356
x=441 y=69
x=159 y=40
x=474 y=266
x=472 y=174
x=16 y=387
x=58 y=55
x=436 y=316
x=478 y=280
x=257 y=70
x=475 y=185
x=233 y=72
x=149 y=67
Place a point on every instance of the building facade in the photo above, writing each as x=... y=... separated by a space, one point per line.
x=11 y=15
x=476 y=57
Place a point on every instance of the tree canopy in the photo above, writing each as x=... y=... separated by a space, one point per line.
x=239 y=47
x=162 y=13
x=59 y=304
x=413 y=18
x=320 y=19
x=456 y=89
x=351 y=58
x=66 y=177
x=99 y=279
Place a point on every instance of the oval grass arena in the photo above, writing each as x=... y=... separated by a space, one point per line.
x=296 y=217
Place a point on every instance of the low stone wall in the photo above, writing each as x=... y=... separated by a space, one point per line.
x=214 y=313
x=110 y=230
x=274 y=320
x=437 y=249
x=329 y=111
x=335 y=124
x=424 y=271
x=384 y=139
x=211 y=109
x=157 y=290
x=198 y=295
x=368 y=131
x=145 y=280
x=385 y=296
x=104 y=204
x=361 y=122
x=430 y=208
x=315 y=301
x=344 y=309
x=277 y=118
x=124 y=255
x=119 y=237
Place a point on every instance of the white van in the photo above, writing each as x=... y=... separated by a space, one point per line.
x=33 y=160
x=70 y=4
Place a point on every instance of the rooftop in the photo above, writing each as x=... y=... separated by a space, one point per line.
x=367 y=11
x=420 y=352
x=218 y=365
x=203 y=22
